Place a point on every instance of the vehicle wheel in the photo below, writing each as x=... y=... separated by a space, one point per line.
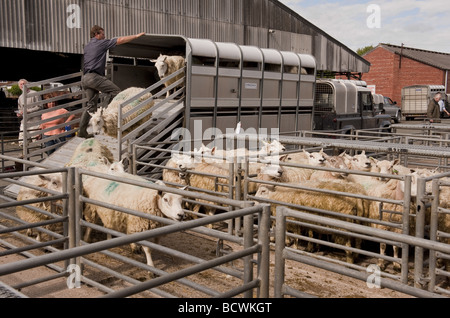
x=398 y=118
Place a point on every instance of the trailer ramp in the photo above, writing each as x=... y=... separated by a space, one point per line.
x=63 y=155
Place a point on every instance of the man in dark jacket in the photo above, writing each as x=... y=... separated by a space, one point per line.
x=94 y=80
x=434 y=110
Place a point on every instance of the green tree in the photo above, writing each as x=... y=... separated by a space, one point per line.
x=16 y=91
x=364 y=50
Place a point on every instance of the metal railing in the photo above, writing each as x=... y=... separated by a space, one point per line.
x=253 y=251
x=129 y=132
x=282 y=254
x=74 y=100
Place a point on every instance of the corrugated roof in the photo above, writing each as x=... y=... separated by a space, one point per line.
x=63 y=26
x=436 y=59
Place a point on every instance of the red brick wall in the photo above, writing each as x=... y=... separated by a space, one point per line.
x=390 y=79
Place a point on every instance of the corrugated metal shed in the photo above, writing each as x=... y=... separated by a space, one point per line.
x=63 y=26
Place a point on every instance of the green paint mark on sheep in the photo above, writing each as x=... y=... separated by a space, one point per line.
x=88 y=142
x=111 y=187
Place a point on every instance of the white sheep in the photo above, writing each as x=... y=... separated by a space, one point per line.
x=289 y=174
x=182 y=162
x=330 y=202
x=392 y=213
x=362 y=163
x=132 y=197
x=44 y=181
x=167 y=65
x=337 y=162
x=105 y=120
x=90 y=153
x=359 y=162
x=269 y=150
x=116 y=167
x=309 y=158
x=217 y=180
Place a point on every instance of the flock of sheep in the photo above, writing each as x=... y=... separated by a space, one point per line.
x=188 y=170
x=193 y=171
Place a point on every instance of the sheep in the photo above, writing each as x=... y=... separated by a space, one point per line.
x=291 y=69
x=289 y=174
x=133 y=197
x=90 y=153
x=116 y=167
x=183 y=162
x=393 y=213
x=362 y=163
x=167 y=65
x=305 y=157
x=269 y=150
x=359 y=162
x=105 y=120
x=337 y=162
x=214 y=177
x=50 y=182
x=336 y=203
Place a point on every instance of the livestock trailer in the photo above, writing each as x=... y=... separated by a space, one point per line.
x=226 y=83
x=346 y=105
x=415 y=99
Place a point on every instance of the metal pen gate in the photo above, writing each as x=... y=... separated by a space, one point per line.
x=75 y=249
x=283 y=253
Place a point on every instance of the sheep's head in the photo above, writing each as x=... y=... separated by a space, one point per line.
x=359 y=162
x=273 y=147
x=317 y=158
x=270 y=172
x=264 y=191
x=170 y=204
x=161 y=65
x=51 y=182
x=183 y=162
x=47 y=181
x=337 y=162
x=203 y=150
x=117 y=167
x=385 y=167
x=97 y=122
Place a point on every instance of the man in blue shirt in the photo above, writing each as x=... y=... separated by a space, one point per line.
x=94 y=80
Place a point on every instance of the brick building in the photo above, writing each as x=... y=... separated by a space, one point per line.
x=394 y=67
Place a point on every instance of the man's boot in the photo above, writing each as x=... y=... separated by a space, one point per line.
x=84 y=122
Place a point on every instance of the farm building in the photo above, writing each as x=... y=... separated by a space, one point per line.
x=394 y=67
x=56 y=31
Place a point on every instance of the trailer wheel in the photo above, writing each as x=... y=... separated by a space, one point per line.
x=398 y=117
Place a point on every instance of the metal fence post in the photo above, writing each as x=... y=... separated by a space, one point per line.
x=70 y=207
x=433 y=234
x=420 y=229
x=264 y=265
x=280 y=236
x=78 y=209
x=406 y=226
x=248 y=242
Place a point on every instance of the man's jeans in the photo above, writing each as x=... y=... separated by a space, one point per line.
x=94 y=83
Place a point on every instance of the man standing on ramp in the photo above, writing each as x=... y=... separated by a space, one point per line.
x=94 y=80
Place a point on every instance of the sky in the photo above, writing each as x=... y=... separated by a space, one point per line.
x=418 y=24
